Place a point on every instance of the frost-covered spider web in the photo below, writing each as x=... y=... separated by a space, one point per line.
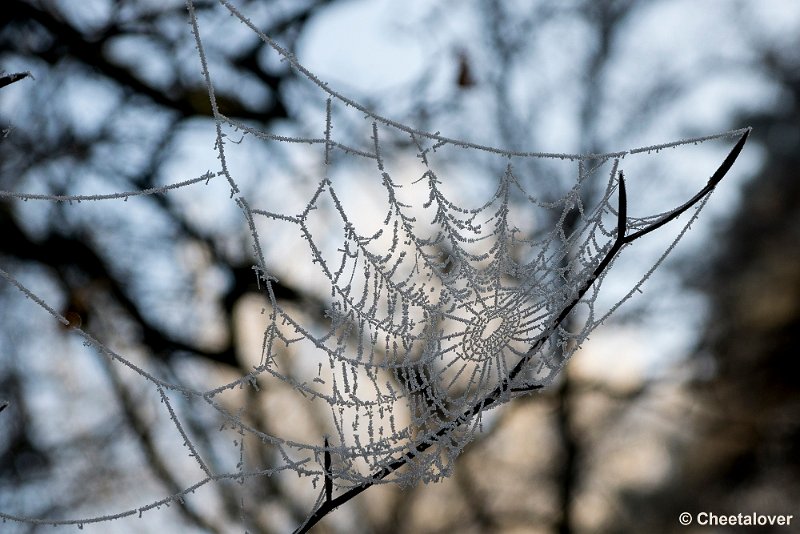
x=435 y=309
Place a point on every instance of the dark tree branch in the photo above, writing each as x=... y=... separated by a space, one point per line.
x=91 y=52
x=84 y=258
x=8 y=79
x=496 y=395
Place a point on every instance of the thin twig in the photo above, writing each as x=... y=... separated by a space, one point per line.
x=712 y=183
x=328 y=475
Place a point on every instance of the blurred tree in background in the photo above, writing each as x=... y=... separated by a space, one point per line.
x=744 y=452
x=117 y=103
